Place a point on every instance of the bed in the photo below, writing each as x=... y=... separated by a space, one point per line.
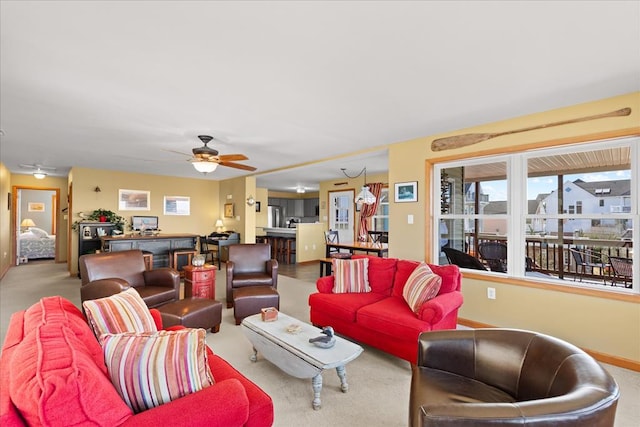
x=36 y=244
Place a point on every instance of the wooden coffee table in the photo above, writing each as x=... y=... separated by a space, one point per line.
x=295 y=355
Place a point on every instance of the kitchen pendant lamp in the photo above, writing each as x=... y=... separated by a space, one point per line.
x=204 y=166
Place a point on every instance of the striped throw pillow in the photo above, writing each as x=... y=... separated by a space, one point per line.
x=149 y=369
x=123 y=312
x=351 y=275
x=421 y=286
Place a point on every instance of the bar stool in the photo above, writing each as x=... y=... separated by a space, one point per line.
x=174 y=255
x=148 y=260
x=289 y=249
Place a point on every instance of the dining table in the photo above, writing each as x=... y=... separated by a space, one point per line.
x=380 y=249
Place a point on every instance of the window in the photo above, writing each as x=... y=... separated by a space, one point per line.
x=380 y=221
x=563 y=211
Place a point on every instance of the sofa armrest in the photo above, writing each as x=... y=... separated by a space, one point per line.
x=324 y=284
x=165 y=277
x=102 y=288
x=272 y=270
x=222 y=404
x=436 y=309
x=230 y=268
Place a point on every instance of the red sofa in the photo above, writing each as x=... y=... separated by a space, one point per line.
x=382 y=318
x=52 y=373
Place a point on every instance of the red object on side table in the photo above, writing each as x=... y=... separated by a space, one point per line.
x=200 y=282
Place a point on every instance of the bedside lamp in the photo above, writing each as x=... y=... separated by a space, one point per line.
x=219 y=225
x=26 y=223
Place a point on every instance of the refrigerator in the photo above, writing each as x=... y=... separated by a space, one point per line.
x=274 y=216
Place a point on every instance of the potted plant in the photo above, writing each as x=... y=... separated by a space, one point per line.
x=103 y=215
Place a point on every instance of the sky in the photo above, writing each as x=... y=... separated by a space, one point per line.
x=497 y=190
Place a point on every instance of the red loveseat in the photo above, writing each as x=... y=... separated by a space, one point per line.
x=382 y=318
x=53 y=373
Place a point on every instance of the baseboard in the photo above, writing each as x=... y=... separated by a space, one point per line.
x=601 y=357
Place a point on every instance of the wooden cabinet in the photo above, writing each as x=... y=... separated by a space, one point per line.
x=200 y=282
x=310 y=207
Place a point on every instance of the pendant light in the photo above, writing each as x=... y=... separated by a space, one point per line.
x=364 y=196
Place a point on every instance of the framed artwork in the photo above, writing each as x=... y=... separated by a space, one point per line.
x=36 y=207
x=257 y=206
x=228 y=210
x=177 y=205
x=134 y=200
x=406 y=192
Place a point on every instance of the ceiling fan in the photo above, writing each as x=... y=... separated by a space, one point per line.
x=206 y=159
x=39 y=171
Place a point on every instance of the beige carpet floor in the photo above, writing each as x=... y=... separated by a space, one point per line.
x=378 y=383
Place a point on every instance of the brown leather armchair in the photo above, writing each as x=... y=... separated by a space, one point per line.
x=489 y=377
x=250 y=265
x=108 y=273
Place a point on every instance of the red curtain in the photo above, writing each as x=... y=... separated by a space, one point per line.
x=367 y=211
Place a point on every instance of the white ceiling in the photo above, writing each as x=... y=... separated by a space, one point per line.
x=121 y=85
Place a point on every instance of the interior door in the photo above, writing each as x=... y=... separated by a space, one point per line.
x=341 y=214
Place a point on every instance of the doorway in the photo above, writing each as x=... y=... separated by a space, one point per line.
x=341 y=214
x=35 y=220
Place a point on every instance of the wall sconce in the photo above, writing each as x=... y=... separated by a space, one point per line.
x=251 y=201
x=219 y=225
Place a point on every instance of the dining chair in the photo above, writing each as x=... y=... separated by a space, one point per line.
x=332 y=236
x=495 y=254
x=622 y=270
x=209 y=251
x=462 y=259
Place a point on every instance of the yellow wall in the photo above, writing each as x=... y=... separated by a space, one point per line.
x=604 y=325
x=205 y=207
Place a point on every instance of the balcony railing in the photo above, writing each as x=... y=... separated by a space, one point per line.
x=552 y=256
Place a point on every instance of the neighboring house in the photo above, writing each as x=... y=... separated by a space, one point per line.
x=596 y=197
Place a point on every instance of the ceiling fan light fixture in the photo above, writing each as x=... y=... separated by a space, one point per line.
x=204 y=166
x=39 y=174
x=301 y=190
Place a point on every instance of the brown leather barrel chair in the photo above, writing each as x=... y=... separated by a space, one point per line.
x=250 y=265
x=109 y=273
x=490 y=377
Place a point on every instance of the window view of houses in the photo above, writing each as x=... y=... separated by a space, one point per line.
x=567 y=213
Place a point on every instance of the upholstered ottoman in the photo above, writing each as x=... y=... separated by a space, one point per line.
x=250 y=300
x=192 y=313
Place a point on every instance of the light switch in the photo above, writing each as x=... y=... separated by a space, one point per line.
x=409 y=219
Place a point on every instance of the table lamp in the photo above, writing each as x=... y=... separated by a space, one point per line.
x=26 y=223
x=219 y=225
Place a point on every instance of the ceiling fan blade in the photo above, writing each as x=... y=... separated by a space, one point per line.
x=228 y=157
x=179 y=152
x=237 y=165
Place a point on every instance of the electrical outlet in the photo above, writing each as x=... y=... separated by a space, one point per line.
x=491 y=293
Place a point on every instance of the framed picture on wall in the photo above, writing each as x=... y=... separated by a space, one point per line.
x=228 y=210
x=134 y=200
x=177 y=205
x=406 y=192
x=36 y=207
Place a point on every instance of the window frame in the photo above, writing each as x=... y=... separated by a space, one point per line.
x=516 y=178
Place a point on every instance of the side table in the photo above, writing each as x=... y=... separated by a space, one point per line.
x=200 y=282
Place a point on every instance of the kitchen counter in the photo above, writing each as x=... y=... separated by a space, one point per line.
x=280 y=231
